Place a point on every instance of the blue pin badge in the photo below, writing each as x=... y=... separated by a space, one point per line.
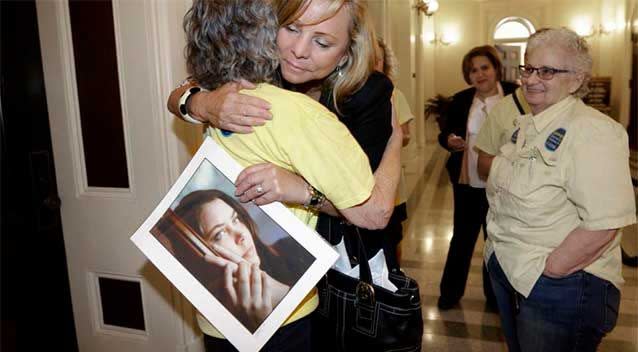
x=226 y=133
x=515 y=136
x=554 y=140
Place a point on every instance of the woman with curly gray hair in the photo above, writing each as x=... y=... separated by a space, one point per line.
x=253 y=56
x=558 y=193
x=232 y=40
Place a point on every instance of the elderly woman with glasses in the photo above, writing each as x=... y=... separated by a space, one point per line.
x=558 y=191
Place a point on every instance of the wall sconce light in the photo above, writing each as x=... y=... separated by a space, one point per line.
x=588 y=30
x=440 y=39
x=606 y=28
x=428 y=7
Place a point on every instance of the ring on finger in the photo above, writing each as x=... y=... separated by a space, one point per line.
x=259 y=189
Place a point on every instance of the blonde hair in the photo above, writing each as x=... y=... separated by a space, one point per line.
x=389 y=60
x=289 y=11
x=350 y=76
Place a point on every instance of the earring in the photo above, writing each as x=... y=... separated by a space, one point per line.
x=339 y=72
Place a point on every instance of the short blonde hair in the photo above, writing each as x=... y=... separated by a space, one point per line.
x=288 y=11
x=346 y=79
x=574 y=45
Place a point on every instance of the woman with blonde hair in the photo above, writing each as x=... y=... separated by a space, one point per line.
x=233 y=40
x=311 y=62
x=327 y=51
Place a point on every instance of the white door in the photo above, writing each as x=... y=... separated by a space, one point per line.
x=511 y=58
x=120 y=302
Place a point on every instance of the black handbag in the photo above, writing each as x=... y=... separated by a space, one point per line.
x=355 y=314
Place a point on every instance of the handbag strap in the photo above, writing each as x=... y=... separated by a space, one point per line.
x=364 y=292
x=364 y=267
x=519 y=106
x=365 y=274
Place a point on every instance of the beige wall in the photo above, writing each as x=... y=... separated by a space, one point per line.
x=460 y=17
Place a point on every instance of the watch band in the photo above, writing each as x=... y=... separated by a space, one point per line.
x=316 y=199
x=183 y=104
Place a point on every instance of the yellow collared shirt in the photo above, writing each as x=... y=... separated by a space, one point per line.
x=502 y=118
x=404 y=115
x=564 y=168
x=307 y=139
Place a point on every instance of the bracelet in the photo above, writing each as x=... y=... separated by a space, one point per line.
x=184 y=82
x=316 y=199
x=183 y=104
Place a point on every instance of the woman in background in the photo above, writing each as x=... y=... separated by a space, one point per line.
x=558 y=193
x=482 y=70
x=393 y=234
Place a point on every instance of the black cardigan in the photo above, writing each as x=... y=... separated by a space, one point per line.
x=456 y=122
x=368 y=116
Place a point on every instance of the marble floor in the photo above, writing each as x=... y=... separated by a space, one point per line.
x=469 y=327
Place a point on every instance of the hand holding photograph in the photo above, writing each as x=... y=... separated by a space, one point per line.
x=244 y=267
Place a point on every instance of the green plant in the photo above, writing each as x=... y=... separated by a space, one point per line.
x=437 y=106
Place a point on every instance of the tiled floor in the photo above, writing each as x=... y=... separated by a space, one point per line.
x=469 y=327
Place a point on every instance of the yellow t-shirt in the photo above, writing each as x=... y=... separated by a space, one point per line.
x=501 y=119
x=404 y=114
x=307 y=139
x=564 y=168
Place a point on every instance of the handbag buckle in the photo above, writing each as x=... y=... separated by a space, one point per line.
x=365 y=293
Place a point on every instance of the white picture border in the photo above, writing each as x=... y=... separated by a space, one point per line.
x=197 y=294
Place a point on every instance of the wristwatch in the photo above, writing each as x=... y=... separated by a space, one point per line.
x=316 y=199
x=183 y=104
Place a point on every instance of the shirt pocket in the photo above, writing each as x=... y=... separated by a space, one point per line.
x=549 y=158
x=538 y=188
x=500 y=176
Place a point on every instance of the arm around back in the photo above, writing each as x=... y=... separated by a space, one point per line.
x=370 y=116
x=224 y=107
x=375 y=212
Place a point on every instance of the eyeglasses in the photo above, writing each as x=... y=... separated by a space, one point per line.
x=544 y=72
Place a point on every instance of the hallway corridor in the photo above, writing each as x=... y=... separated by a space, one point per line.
x=469 y=327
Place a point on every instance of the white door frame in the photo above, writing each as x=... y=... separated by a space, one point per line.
x=97 y=222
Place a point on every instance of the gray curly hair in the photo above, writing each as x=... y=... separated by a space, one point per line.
x=576 y=46
x=228 y=40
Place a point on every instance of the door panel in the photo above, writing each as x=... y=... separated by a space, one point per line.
x=510 y=58
x=98 y=221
